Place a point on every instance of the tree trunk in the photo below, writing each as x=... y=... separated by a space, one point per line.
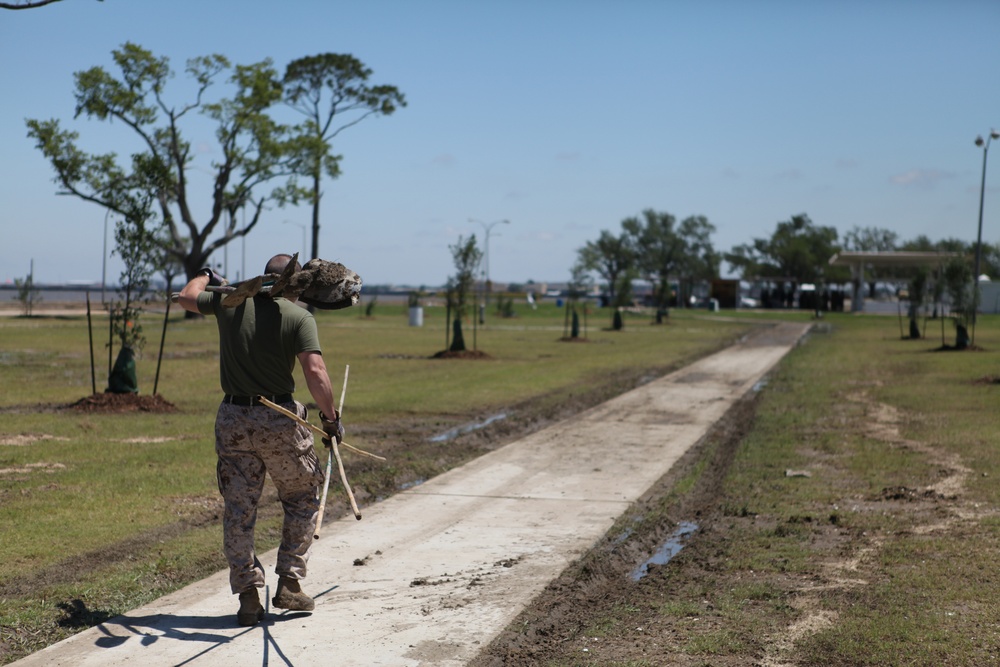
x=315 y=220
x=457 y=341
x=961 y=337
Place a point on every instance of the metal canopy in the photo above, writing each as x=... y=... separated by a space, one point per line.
x=859 y=260
x=903 y=258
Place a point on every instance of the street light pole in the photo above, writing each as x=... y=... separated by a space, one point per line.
x=985 y=145
x=488 y=227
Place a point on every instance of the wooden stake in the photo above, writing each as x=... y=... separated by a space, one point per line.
x=334 y=451
x=159 y=358
x=316 y=429
x=90 y=334
x=322 y=499
x=340 y=466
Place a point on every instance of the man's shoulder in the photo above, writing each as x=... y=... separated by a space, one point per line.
x=293 y=313
x=291 y=308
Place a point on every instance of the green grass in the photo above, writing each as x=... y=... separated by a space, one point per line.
x=931 y=593
x=925 y=589
x=85 y=483
x=888 y=581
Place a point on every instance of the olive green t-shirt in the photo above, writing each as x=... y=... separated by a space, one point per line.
x=258 y=343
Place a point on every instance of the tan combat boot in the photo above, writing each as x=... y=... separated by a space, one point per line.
x=251 y=611
x=290 y=596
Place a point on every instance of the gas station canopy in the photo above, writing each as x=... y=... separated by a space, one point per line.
x=859 y=260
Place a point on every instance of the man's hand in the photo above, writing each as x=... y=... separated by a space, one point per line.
x=214 y=279
x=334 y=429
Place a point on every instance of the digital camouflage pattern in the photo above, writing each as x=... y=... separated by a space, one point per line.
x=252 y=442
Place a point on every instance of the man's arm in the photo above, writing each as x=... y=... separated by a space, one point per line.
x=188 y=298
x=318 y=381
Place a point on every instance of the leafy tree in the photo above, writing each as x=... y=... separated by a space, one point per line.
x=665 y=250
x=579 y=282
x=936 y=283
x=342 y=80
x=700 y=260
x=990 y=260
x=797 y=250
x=254 y=150
x=135 y=243
x=467 y=256
x=658 y=250
x=871 y=239
x=611 y=257
x=958 y=282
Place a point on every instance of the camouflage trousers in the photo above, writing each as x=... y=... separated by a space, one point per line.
x=252 y=442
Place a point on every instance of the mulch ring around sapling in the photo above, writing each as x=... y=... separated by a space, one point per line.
x=461 y=354
x=119 y=403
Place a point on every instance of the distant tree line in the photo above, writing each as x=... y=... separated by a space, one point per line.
x=673 y=256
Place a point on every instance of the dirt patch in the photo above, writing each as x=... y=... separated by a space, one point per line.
x=32 y=467
x=25 y=439
x=122 y=403
x=146 y=440
x=882 y=423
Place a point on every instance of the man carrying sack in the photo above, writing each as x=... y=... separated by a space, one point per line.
x=259 y=341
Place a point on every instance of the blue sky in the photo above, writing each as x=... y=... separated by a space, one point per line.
x=561 y=116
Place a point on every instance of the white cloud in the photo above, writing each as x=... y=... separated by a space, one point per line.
x=920 y=178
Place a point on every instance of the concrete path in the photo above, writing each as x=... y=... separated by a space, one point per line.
x=433 y=574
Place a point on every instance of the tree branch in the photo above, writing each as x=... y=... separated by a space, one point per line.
x=29 y=4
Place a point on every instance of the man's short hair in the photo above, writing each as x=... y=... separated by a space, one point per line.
x=279 y=263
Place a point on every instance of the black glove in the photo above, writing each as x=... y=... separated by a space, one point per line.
x=334 y=429
x=214 y=279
